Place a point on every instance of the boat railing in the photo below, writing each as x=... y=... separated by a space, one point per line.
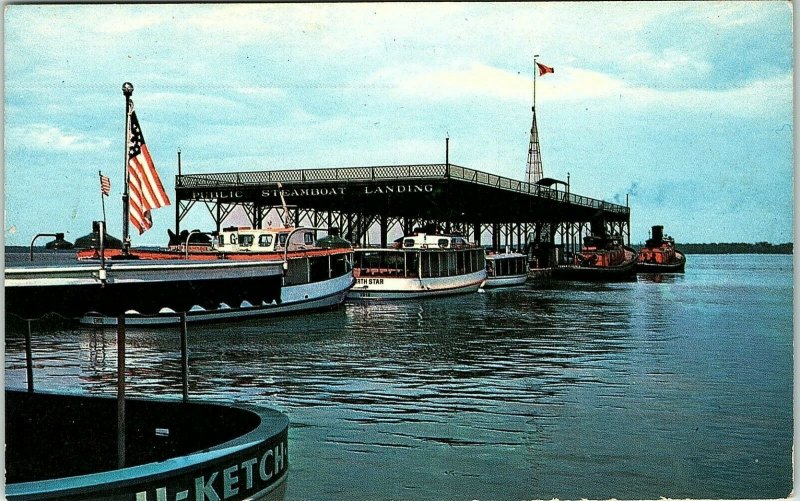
x=191 y=233
x=55 y=235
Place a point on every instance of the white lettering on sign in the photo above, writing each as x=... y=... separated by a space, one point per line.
x=303 y=192
x=221 y=194
x=369 y=281
x=229 y=481
x=398 y=188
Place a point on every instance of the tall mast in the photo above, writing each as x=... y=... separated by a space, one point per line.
x=177 y=202
x=533 y=172
x=127 y=90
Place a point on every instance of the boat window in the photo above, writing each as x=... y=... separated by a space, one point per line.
x=408 y=242
x=282 y=239
x=412 y=264
x=264 y=240
x=308 y=238
x=246 y=240
x=443 y=243
x=221 y=239
x=451 y=264
x=425 y=260
x=319 y=268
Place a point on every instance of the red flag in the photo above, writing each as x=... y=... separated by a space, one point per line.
x=105 y=185
x=144 y=186
x=544 y=69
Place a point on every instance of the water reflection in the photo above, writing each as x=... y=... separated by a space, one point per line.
x=496 y=364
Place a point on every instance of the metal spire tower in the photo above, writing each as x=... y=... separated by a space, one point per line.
x=533 y=172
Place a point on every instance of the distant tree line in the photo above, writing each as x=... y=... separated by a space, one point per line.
x=735 y=248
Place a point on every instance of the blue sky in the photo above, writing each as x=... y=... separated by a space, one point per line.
x=685 y=106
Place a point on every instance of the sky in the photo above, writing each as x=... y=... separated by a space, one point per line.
x=685 y=107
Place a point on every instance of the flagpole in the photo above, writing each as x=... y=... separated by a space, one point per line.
x=535 y=70
x=127 y=90
x=177 y=203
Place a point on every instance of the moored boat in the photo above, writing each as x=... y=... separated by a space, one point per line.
x=174 y=449
x=601 y=258
x=419 y=265
x=112 y=287
x=317 y=272
x=506 y=269
x=659 y=254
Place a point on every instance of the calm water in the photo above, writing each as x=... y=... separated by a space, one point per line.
x=674 y=386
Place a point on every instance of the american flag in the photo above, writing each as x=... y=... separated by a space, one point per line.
x=144 y=186
x=105 y=185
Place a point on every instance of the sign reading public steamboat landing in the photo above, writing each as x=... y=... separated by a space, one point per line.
x=324 y=191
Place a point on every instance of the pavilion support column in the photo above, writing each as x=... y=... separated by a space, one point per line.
x=349 y=236
x=476 y=232
x=384 y=222
x=495 y=237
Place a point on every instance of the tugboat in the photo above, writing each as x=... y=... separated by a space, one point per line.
x=659 y=254
x=419 y=265
x=317 y=273
x=506 y=269
x=602 y=257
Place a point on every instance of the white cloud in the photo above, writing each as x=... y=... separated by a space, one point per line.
x=736 y=14
x=467 y=79
x=575 y=84
x=670 y=63
x=47 y=137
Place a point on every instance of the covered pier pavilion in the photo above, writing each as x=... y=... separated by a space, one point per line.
x=369 y=203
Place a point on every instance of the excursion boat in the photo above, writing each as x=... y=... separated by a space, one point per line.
x=659 y=254
x=418 y=265
x=601 y=258
x=317 y=273
x=506 y=269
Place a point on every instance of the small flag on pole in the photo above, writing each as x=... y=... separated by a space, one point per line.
x=105 y=185
x=144 y=185
x=544 y=69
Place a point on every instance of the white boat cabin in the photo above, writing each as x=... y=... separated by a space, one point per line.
x=263 y=240
x=426 y=241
